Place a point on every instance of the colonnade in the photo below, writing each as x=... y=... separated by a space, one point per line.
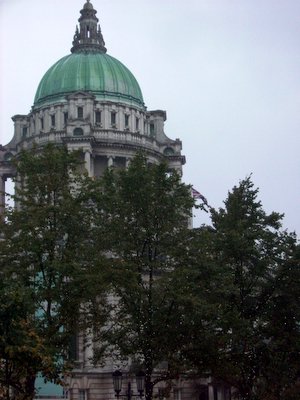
x=89 y=165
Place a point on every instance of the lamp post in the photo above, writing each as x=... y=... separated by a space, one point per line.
x=140 y=383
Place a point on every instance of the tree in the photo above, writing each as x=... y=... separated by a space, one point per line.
x=143 y=214
x=21 y=349
x=46 y=258
x=255 y=258
x=199 y=288
x=281 y=367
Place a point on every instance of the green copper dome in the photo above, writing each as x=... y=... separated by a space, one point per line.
x=95 y=72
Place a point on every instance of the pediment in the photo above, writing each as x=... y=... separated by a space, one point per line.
x=81 y=95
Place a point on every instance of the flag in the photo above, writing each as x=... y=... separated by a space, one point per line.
x=198 y=196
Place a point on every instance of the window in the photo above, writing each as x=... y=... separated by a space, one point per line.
x=137 y=124
x=126 y=120
x=65 y=118
x=7 y=156
x=83 y=394
x=98 y=117
x=80 y=112
x=78 y=132
x=168 y=151
x=151 y=129
x=24 y=131
x=42 y=123
x=74 y=347
x=52 y=120
x=113 y=118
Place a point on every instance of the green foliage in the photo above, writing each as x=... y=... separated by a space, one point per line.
x=281 y=366
x=217 y=301
x=256 y=259
x=19 y=344
x=45 y=257
x=144 y=218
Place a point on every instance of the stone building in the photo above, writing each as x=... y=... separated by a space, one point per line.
x=90 y=101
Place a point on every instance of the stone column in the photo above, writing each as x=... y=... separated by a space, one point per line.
x=110 y=161
x=106 y=120
x=132 y=121
x=92 y=163
x=128 y=161
x=118 y=118
x=87 y=159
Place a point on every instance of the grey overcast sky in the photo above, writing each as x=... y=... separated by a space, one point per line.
x=226 y=72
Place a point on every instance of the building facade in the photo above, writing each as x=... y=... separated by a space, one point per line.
x=90 y=101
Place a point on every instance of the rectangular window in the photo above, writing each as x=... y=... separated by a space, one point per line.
x=65 y=117
x=126 y=120
x=137 y=123
x=82 y=394
x=74 y=347
x=98 y=117
x=113 y=118
x=42 y=123
x=80 y=112
x=52 y=120
x=24 y=131
x=151 y=129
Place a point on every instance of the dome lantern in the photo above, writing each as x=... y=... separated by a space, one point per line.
x=88 y=38
x=89 y=69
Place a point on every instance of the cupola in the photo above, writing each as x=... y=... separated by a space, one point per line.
x=90 y=69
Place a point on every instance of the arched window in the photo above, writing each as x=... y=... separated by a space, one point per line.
x=8 y=156
x=78 y=132
x=168 y=151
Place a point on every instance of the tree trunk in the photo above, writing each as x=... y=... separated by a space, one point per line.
x=29 y=387
x=148 y=387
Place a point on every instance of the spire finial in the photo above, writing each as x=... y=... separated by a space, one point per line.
x=89 y=37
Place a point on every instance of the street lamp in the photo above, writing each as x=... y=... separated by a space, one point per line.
x=140 y=383
x=117 y=379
